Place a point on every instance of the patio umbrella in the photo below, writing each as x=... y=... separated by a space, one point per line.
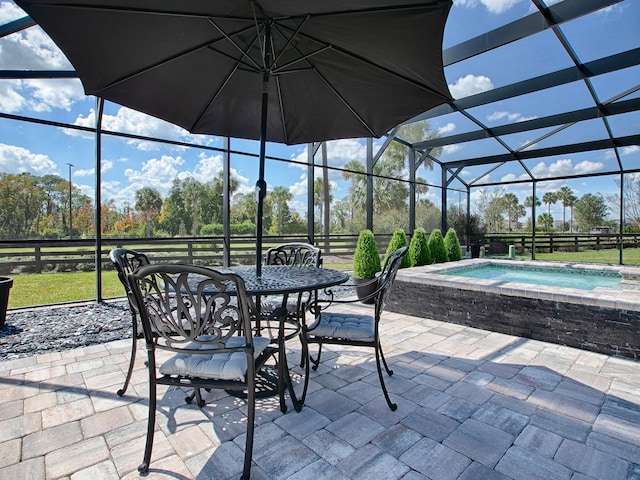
x=288 y=71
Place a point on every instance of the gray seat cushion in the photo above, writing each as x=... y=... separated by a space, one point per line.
x=344 y=325
x=230 y=366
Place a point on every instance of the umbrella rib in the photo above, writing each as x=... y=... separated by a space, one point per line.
x=331 y=87
x=375 y=65
x=290 y=39
x=235 y=44
x=283 y=68
x=207 y=44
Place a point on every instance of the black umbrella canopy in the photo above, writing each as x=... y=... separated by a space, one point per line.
x=287 y=71
x=335 y=68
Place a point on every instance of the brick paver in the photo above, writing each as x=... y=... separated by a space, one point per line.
x=472 y=404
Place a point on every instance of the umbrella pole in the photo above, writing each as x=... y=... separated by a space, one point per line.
x=261 y=185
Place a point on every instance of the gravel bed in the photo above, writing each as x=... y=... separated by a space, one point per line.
x=57 y=328
x=62 y=327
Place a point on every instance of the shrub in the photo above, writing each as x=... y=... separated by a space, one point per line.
x=398 y=240
x=419 y=252
x=452 y=245
x=366 y=258
x=436 y=246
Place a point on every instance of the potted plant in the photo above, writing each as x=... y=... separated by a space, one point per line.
x=366 y=264
x=436 y=246
x=419 y=253
x=5 y=285
x=398 y=240
x=452 y=245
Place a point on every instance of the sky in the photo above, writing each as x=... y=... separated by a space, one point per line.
x=129 y=165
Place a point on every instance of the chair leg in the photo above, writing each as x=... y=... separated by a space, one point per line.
x=197 y=394
x=316 y=361
x=132 y=360
x=379 y=354
x=384 y=360
x=251 y=416
x=143 y=468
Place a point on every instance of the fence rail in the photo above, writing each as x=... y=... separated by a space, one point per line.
x=497 y=244
x=37 y=256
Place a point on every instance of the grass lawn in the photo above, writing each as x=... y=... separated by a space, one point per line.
x=51 y=288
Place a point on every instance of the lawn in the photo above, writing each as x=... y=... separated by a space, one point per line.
x=52 y=288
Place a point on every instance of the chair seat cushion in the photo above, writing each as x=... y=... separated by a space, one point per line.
x=222 y=366
x=344 y=325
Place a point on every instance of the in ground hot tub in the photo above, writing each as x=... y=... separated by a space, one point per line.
x=603 y=316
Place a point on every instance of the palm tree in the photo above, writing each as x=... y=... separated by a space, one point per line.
x=279 y=197
x=511 y=204
x=549 y=198
x=571 y=201
x=530 y=202
x=564 y=195
x=148 y=201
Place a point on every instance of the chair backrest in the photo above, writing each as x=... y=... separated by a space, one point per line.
x=191 y=309
x=295 y=255
x=125 y=262
x=387 y=276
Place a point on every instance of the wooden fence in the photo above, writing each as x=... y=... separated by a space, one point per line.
x=37 y=256
x=498 y=244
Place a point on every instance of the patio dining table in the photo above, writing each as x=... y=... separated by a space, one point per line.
x=283 y=281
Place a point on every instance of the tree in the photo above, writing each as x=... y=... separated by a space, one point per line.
x=398 y=240
x=590 y=211
x=149 y=202
x=565 y=194
x=419 y=253
x=530 y=202
x=452 y=245
x=631 y=196
x=490 y=207
x=546 y=220
x=244 y=208
x=436 y=246
x=319 y=192
x=549 y=198
x=278 y=198
x=513 y=208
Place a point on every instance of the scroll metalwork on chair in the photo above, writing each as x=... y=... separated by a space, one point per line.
x=125 y=262
x=201 y=317
x=339 y=328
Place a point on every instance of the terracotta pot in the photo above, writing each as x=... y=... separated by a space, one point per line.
x=364 y=288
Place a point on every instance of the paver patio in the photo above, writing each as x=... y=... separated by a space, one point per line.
x=472 y=404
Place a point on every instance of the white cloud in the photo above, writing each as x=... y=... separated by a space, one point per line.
x=470 y=85
x=511 y=117
x=629 y=150
x=565 y=167
x=133 y=122
x=32 y=49
x=493 y=6
x=16 y=160
x=58 y=93
x=88 y=172
x=448 y=128
x=9 y=12
x=10 y=100
x=450 y=149
x=339 y=152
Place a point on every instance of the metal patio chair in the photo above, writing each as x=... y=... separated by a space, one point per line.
x=293 y=254
x=125 y=262
x=338 y=328
x=201 y=317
